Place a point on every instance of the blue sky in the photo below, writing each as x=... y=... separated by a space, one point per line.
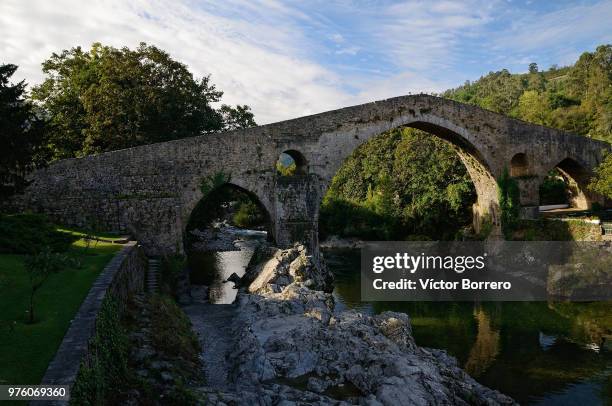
x=290 y=58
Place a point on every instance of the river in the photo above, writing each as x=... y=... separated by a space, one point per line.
x=536 y=352
x=539 y=353
x=212 y=268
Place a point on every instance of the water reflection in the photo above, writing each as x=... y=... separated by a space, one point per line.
x=485 y=348
x=213 y=268
x=537 y=352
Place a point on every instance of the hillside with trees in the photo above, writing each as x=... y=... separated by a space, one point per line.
x=401 y=184
x=575 y=98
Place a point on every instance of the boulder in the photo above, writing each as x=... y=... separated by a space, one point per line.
x=235 y=279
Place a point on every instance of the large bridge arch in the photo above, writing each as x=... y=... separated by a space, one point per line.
x=151 y=190
x=337 y=147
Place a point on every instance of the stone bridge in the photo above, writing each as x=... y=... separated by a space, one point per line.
x=150 y=191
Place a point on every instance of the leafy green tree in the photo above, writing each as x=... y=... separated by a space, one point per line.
x=398 y=185
x=509 y=203
x=238 y=117
x=602 y=181
x=21 y=134
x=533 y=67
x=39 y=268
x=533 y=107
x=107 y=98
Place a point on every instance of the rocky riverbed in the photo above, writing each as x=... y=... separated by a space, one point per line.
x=284 y=343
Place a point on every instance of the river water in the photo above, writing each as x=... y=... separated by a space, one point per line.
x=213 y=268
x=539 y=353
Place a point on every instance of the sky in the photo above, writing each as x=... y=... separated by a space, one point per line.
x=288 y=59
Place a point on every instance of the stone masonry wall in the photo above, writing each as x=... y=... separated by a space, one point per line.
x=123 y=276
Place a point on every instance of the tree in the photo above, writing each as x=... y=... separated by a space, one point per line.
x=39 y=268
x=21 y=132
x=575 y=98
x=398 y=185
x=509 y=204
x=238 y=117
x=533 y=107
x=107 y=98
x=602 y=181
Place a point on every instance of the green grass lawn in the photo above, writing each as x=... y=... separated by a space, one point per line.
x=26 y=349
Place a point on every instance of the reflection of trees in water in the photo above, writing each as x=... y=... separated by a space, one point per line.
x=499 y=343
x=591 y=322
x=486 y=347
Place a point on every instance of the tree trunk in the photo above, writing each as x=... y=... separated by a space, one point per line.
x=32 y=307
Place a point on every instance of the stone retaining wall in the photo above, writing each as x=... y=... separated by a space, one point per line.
x=122 y=276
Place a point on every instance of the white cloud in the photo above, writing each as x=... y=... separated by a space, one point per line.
x=257 y=63
x=289 y=59
x=558 y=31
x=423 y=36
x=352 y=50
x=337 y=38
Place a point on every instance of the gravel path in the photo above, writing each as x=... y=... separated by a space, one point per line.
x=212 y=323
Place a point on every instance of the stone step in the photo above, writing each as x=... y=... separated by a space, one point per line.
x=153 y=273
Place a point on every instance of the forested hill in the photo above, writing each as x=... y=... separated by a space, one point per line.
x=576 y=98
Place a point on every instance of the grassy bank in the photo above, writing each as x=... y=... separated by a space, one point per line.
x=26 y=349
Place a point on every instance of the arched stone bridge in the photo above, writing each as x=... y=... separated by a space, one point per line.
x=151 y=190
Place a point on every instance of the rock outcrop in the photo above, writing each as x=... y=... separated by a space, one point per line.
x=292 y=346
x=286 y=267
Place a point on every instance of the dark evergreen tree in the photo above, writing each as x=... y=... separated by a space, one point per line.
x=21 y=134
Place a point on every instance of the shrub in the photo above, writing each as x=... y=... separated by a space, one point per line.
x=104 y=374
x=509 y=204
x=171 y=330
x=30 y=233
x=248 y=215
x=172 y=269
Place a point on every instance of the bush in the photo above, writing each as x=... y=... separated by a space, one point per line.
x=173 y=267
x=553 y=190
x=30 y=233
x=104 y=374
x=509 y=203
x=248 y=215
x=171 y=331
